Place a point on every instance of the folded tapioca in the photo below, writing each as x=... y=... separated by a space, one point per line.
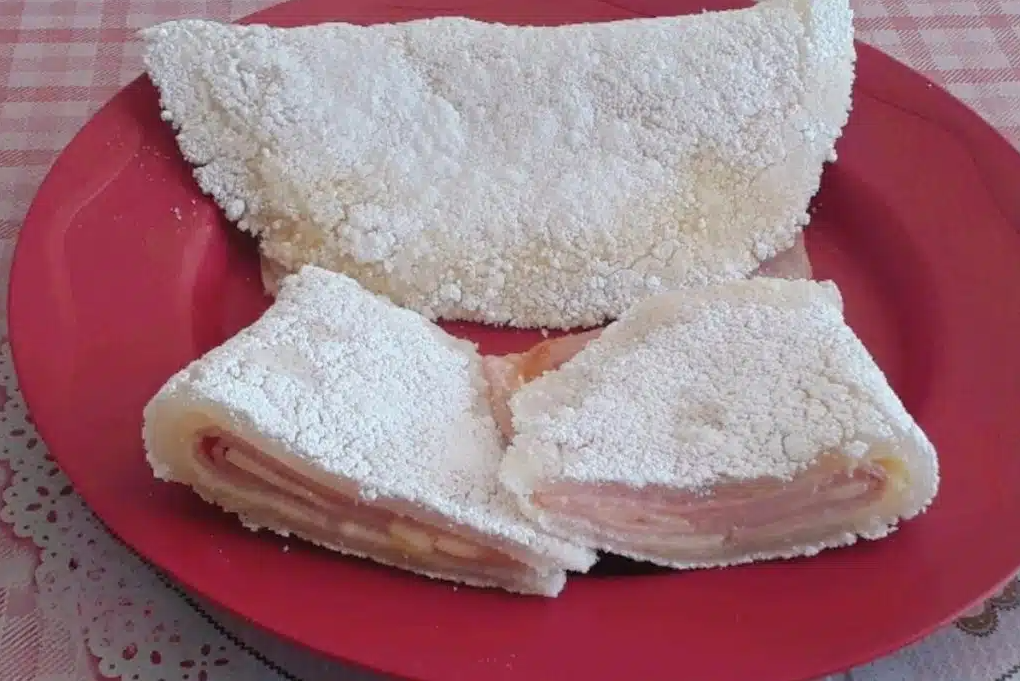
x=507 y=373
x=349 y=422
x=533 y=176
x=717 y=426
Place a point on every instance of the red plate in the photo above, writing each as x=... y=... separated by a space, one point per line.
x=124 y=273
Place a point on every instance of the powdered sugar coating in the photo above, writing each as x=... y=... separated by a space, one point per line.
x=533 y=176
x=366 y=391
x=736 y=382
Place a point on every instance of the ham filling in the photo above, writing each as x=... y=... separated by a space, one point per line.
x=507 y=374
x=793 y=263
x=277 y=496
x=732 y=518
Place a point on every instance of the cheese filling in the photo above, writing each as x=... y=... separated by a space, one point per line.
x=276 y=496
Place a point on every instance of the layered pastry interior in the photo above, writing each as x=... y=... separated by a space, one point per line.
x=834 y=499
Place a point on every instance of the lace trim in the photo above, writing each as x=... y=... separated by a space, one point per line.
x=129 y=614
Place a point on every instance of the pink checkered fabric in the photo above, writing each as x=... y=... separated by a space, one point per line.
x=62 y=59
x=970 y=47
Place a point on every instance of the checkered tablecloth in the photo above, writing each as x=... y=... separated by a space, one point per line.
x=59 y=61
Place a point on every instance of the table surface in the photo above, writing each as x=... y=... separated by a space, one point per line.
x=77 y=606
